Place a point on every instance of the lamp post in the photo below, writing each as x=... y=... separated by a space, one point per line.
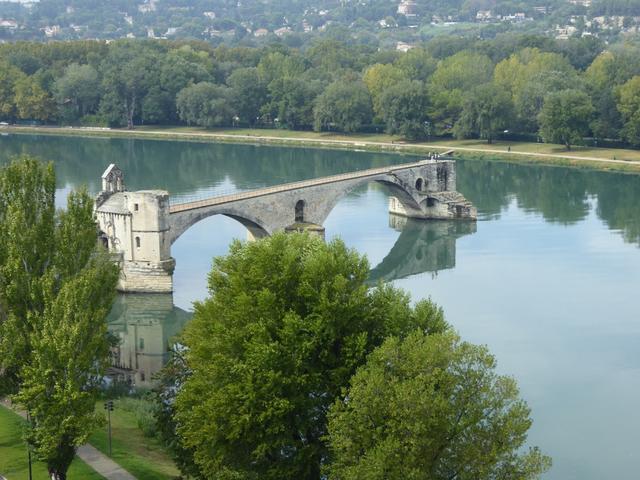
x=108 y=406
x=29 y=449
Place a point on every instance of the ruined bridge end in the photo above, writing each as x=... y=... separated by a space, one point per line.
x=139 y=227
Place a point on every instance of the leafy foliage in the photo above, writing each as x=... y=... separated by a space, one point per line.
x=629 y=107
x=333 y=83
x=565 y=117
x=289 y=320
x=56 y=288
x=431 y=407
x=486 y=111
x=344 y=106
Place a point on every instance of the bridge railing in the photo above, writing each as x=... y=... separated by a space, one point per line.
x=243 y=195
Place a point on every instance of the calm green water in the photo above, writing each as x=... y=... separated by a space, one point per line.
x=547 y=278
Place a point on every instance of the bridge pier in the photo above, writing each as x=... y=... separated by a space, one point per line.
x=140 y=227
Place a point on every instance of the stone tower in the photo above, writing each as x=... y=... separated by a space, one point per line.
x=134 y=226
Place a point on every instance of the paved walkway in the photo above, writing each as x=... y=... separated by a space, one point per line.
x=88 y=454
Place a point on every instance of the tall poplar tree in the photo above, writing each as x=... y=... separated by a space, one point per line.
x=56 y=289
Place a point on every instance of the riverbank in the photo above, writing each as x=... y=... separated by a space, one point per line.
x=625 y=160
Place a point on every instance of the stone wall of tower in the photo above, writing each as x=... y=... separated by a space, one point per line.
x=136 y=226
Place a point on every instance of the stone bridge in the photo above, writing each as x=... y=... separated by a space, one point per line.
x=141 y=226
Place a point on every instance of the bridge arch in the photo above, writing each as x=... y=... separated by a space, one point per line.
x=181 y=222
x=394 y=186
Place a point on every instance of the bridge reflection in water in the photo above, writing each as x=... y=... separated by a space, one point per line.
x=146 y=323
x=422 y=247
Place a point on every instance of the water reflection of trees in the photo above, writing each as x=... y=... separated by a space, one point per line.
x=422 y=247
x=183 y=167
x=560 y=195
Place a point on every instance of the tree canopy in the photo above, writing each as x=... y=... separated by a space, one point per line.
x=332 y=83
x=431 y=407
x=288 y=321
x=56 y=289
x=565 y=117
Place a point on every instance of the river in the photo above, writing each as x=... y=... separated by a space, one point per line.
x=546 y=278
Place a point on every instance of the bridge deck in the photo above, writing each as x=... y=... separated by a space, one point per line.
x=222 y=199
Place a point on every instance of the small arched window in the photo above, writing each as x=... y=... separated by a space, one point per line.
x=299 y=215
x=419 y=184
x=137 y=242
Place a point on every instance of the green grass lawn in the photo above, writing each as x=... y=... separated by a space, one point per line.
x=143 y=457
x=13 y=454
x=524 y=147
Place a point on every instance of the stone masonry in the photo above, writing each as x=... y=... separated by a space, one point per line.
x=139 y=227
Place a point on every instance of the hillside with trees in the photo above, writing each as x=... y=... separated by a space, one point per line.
x=256 y=22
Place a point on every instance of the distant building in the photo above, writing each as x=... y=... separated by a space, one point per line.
x=210 y=15
x=8 y=24
x=51 y=30
x=148 y=6
x=408 y=8
x=564 y=33
x=583 y=3
x=484 y=15
x=211 y=32
x=404 y=47
x=281 y=32
x=516 y=17
x=261 y=32
x=78 y=28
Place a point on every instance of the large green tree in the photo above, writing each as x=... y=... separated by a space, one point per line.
x=289 y=320
x=453 y=79
x=629 y=107
x=404 y=110
x=77 y=91
x=128 y=73
x=378 y=78
x=486 y=111
x=344 y=106
x=431 y=407
x=292 y=100
x=32 y=101
x=248 y=94
x=56 y=288
x=565 y=117
x=9 y=77
x=205 y=104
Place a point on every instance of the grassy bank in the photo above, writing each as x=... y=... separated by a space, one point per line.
x=13 y=453
x=141 y=456
x=627 y=160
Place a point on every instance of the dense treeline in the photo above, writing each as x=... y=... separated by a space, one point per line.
x=560 y=91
